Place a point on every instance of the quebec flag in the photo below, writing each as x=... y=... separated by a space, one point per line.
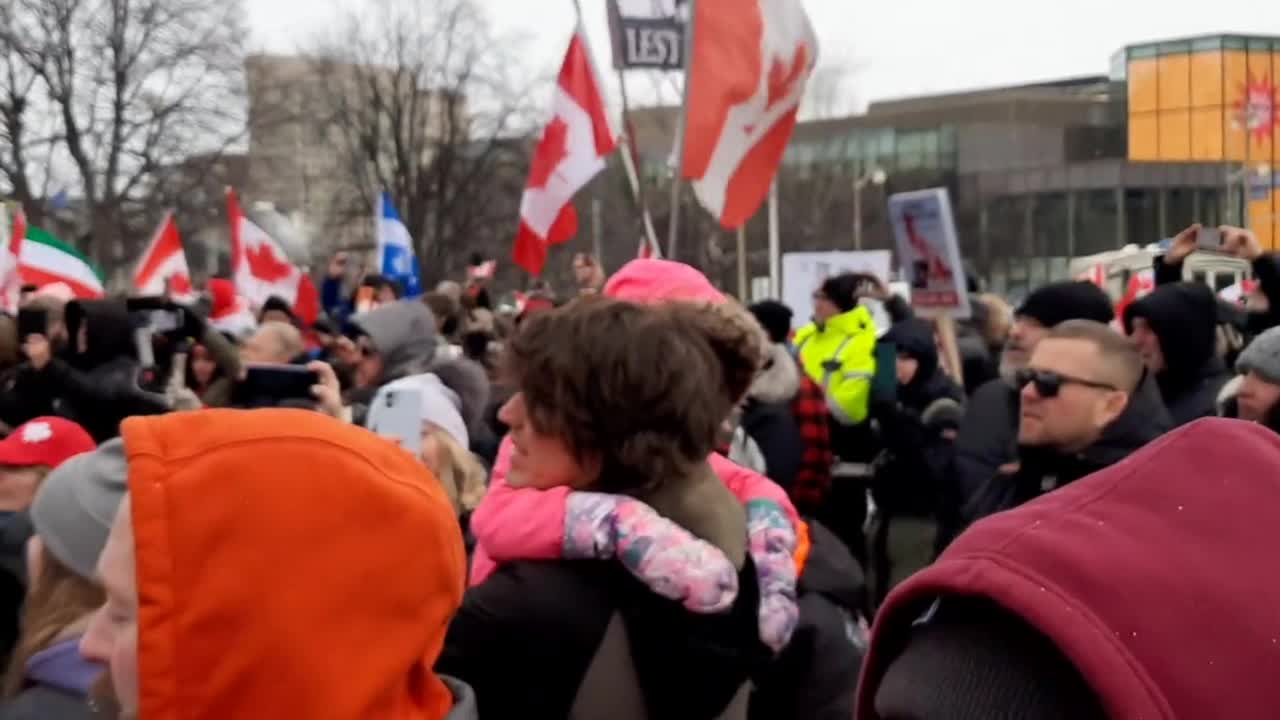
x=395 y=248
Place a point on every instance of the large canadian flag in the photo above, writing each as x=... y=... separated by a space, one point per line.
x=262 y=270
x=571 y=152
x=750 y=63
x=163 y=268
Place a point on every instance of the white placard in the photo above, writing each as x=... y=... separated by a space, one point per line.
x=929 y=252
x=802 y=273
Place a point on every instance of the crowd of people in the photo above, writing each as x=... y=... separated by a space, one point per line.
x=642 y=500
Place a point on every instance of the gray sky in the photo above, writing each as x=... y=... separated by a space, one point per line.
x=896 y=47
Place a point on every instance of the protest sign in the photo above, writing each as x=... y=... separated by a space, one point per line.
x=929 y=252
x=647 y=34
x=804 y=272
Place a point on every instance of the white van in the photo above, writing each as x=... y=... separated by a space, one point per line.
x=1116 y=267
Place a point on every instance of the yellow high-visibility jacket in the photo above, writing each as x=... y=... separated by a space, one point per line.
x=840 y=355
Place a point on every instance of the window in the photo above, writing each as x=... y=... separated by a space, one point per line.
x=1206 y=44
x=947 y=139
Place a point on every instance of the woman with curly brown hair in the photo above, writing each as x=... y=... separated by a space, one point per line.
x=617 y=400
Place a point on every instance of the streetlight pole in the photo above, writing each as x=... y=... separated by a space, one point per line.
x=874 y=176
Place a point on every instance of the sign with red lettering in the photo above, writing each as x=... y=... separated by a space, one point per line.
x=929 y=252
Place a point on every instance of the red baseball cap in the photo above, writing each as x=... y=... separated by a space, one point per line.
x=47 y=441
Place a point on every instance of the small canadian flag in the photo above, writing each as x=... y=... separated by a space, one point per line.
x=163 y=268
x=262 y=270
x=572 y=150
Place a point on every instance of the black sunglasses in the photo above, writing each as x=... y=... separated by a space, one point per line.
x=1049 y=383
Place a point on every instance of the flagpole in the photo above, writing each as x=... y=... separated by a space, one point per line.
x=742 y=264
x=630 y=162
x=774 y=243
x=377 y=230
x=673 y=235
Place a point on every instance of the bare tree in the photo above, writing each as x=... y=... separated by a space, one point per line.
x=17 y=85
x=423 y=101
x=135 y=86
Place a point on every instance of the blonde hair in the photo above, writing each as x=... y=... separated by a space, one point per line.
x=999 y=318
x=58 y=599
x=463 y=477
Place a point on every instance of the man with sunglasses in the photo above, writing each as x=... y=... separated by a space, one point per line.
x=1086 y=403
x=987 y=442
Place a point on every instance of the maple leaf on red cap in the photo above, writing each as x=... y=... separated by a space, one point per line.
x=264 y=264
x=552 y=149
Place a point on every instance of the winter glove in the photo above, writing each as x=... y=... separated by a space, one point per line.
x=664 y=556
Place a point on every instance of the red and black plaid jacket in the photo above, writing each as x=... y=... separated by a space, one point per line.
x=813 y=480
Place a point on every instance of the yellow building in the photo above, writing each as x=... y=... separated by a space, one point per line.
x=1210 y=99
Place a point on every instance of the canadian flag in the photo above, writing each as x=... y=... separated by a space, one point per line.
x=261 y=268
x=163 y=268
x=1140 y=284
x=571 y=152
x=750 y=63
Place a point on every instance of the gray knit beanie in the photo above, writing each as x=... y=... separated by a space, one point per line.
x=1262 y=356
x=76 y=505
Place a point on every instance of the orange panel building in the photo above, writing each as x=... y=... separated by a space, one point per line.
x=1211 y=100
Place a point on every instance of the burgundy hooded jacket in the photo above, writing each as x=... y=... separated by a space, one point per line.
x=1157 y=578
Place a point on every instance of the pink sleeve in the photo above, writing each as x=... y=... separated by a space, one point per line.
x=747 y=485
x=513 y=524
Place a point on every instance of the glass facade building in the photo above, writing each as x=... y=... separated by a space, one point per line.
x=1177 y=132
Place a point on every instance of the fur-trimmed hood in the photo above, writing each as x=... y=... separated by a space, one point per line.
x=779 y=381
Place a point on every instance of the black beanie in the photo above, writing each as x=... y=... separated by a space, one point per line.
x=1059 y=302
x=842 y=290
x=775 y=318
x=973 y=659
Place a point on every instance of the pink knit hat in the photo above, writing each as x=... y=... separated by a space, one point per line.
x=655 y=281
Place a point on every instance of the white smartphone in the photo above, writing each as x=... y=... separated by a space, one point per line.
x=400 y=419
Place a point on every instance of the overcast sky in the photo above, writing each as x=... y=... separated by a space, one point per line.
x=896 y=48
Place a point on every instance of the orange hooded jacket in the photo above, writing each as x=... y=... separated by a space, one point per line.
x=288 y=566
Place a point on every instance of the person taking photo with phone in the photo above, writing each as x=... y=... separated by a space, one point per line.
x=96 y=384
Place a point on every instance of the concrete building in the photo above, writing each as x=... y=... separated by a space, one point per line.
x=299 y=155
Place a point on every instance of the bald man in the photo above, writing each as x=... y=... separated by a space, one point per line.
x=274 y=342
x=1087 y=403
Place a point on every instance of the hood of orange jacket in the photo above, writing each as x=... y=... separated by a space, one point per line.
x=288 y=565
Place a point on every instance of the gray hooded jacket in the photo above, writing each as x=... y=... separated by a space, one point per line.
x=404 y=334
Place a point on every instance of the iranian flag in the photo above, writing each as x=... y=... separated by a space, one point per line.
x=45 y=260
x=10 y=281
x=163 y=267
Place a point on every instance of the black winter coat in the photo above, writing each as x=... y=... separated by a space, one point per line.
x=97 y=388
x=1043 y=470
x=527 y=637
x=46 y=703
x=916 y=456
x=1184 y=316
x=816 y=675
x=768 y=419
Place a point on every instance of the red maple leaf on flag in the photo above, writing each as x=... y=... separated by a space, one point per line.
x=552 y=149
x=264 y=264
x=179 y=284
x=782 y=79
